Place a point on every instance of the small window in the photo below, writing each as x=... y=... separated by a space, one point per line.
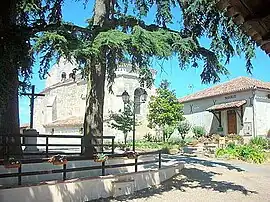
x=63 y=76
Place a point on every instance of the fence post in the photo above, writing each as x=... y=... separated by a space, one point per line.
x=20 y=175
x=113 y=146
x=5 y=146
x=159 y=159
x=64 y=172
x=47 y=146
x=136 y=165
x=82 y=145
x=103 y=168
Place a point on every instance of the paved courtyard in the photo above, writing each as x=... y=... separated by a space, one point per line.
x=210 y=180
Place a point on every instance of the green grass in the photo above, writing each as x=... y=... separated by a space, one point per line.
x=145 y=145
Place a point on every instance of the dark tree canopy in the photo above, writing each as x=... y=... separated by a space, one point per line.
x=117 y=32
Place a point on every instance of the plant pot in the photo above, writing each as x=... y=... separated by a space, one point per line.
x=101 y=160
x=12 y=165
x=58 y=163
x=132 y=156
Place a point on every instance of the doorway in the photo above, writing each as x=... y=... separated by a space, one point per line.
x=232 y=122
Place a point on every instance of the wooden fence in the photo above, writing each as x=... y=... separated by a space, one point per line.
x=7 y=143
x=103 y=166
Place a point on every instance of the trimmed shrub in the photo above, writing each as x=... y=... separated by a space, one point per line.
x=199 y=131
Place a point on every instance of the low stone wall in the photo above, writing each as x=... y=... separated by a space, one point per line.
x=91 y=188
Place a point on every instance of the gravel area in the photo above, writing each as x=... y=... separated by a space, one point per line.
x=209 y=180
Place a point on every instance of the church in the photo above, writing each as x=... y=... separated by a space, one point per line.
x=61 y=110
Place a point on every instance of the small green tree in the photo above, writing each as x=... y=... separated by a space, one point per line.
x=183 y=128
x=123 y=121
x=164 y=108
x=168 y=131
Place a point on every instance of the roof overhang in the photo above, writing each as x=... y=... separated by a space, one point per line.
x=227 y=105
x=253 y=16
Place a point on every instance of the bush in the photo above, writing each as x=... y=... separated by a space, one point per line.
x=148 y=137
x=248 y=153
x=199 y=131
x=260 y=142
x=183 y=128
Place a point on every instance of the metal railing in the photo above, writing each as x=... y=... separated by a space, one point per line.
x=6 y=143
x=20 y=173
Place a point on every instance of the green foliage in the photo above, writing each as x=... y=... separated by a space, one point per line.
x=202 y=18
x=164 y=108
x=167 y=132
x=183 y=128
x=248 y=153
x=260 y=142
x=146 y=145
x=122 y=121
x=148 y=137
x=199 y=131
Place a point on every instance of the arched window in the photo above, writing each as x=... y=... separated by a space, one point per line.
x=63 y=76
x=72 y=76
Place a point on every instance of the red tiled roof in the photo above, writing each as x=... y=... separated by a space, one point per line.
x=234 y=85
x=228 y=105
x=71 y=121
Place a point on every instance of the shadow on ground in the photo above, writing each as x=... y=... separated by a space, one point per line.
x=191 y=178
x=170 y=159
x=204 y=162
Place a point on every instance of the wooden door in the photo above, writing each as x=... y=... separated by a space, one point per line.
x=232 y=124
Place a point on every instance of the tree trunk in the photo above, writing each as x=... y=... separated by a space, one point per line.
x=9 y=117
x=9 y=112
x=125 y=139
x=93 y=120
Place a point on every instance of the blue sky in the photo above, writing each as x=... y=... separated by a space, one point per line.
x=180 y=79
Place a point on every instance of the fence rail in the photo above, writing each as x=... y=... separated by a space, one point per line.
x=6 y=143
x=19 y=174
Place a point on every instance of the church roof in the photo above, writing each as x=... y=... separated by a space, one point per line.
x=235 y=85
x=71 y=121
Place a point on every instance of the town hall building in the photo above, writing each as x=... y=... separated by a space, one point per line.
x=239 y=106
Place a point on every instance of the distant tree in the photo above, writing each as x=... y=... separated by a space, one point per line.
x=123 y=121
x=164 y=109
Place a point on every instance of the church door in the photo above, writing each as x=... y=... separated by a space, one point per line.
x=232 y=124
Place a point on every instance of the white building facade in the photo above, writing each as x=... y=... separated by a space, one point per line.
x=240 y=106
x=61 y=110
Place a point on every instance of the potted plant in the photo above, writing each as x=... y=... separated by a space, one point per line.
x=100 y=158
x=58 y=160
x=131 y=154
x=12 y=163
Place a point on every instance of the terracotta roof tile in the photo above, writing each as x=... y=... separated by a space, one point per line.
x=234 y=85
x=71 y=121
x=228 y=105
